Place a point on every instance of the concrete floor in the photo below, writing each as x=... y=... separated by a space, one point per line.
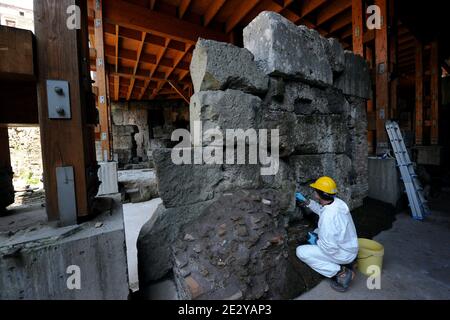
x=416 y=264
x=135 y=216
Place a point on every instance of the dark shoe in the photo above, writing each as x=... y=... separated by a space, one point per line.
x=342 y=280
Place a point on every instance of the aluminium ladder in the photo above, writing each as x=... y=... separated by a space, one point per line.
x=417 y=201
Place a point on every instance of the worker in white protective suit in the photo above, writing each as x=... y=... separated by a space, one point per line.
x=334 y=244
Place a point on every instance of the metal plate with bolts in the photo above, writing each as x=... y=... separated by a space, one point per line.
x=58 y=96
x=65 y=183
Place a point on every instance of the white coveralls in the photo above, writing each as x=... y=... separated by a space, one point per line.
x=337 y=244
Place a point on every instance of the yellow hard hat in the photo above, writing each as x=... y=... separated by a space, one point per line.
x=325 y=184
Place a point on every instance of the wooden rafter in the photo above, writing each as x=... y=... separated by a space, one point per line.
x=333 y=9
x=340 y=22
x=212 y=11
x=136 y=17
x=154 y=70
x=179 y=91
x=178 y=60
x=241 y=11
x=138 y=57
x=151 y=39
x=130 y=55
x=309 y=6
x=183 y=8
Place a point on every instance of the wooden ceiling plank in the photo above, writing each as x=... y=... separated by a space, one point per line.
x=309 y=6
x=179 y=91
x=212 y=11
x=179 y=59
x=341 y=22
x=331 y=10
x=241 y=11
x=138 y=57
x=136 y=17
x=183 y=8
x=153 y=71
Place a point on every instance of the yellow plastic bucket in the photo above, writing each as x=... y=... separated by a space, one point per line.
x=370 y=257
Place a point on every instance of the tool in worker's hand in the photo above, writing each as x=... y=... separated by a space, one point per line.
x=312 y=238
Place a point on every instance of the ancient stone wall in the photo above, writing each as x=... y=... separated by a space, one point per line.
x=223 y=229
x=134 y=134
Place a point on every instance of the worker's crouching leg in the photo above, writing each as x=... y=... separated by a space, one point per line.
x=314 y=257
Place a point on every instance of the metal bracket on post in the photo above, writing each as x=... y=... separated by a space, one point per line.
x=65 y=183
x=58 y=99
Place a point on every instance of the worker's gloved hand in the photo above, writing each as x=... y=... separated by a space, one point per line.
x=299 y=197
x=312 y=238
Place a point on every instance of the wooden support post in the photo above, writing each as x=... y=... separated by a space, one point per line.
x=434 y=91
x=382 y=79
x=393 y=52
x=6 y=175
x=63 y=54
x=357 y=27
x=419 y=93
x=100 y=82
x=5 y=158
x=370 y=108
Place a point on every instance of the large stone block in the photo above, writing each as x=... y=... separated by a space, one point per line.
x=184 y=184
x=285 y=123
x=320 y=134
x=283 y=49
x=335 y=54
x=355 y=79
x=230 y=109
x=307 y=168
x=219 y=66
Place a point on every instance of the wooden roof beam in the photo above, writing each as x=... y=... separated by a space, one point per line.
x=150 y=39
x=241 y=11
x=309 y=6
x=179 y=91
x=152 y=72
x=133 y=16
x=341 y=22
x=331 y=10
x=131 y=55
x=184 y=6
x=138 y=57
x=212 y=11
x=177 y=62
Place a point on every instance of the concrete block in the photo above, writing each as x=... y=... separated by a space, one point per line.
x=384 y=180
x=107 y=174
x=283 y=49
x=219 y=66
x=35 y=261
